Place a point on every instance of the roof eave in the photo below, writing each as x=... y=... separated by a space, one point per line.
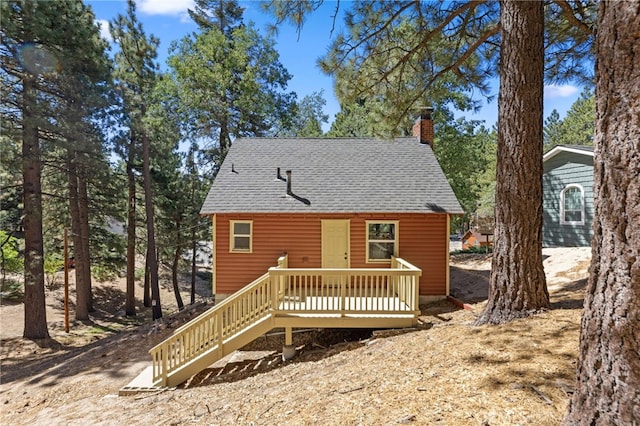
x=561 y=148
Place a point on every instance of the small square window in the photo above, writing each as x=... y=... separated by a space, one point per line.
x=241 y=235
x=382 y=241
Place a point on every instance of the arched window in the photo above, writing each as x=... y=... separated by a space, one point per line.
x=572 y=205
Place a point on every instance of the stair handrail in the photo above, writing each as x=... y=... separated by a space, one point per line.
x=212 y=328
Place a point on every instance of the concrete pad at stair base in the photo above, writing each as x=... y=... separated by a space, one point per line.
x=142 y=383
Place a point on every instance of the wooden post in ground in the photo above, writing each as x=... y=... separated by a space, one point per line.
x=288 y=350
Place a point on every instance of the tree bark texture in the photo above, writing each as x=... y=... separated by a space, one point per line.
x=177 y=254
x=130 y=301
x=82 y=305
x=517 y=285
x=85 y=237
x=608 y=378
x=35 y=314
x=152 y=260
x=194 y=254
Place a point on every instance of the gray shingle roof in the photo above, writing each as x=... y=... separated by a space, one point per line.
x=576 y=149
x=334 y=175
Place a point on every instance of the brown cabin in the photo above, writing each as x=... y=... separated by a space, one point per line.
x=331 y=203
x=477 y=238
x=317 y=233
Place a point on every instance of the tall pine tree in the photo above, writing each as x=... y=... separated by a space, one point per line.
x=136 y=75
x=48 y=49
x=228 y=78
x=608 y=379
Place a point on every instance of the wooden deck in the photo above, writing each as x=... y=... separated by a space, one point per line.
x=289 y=298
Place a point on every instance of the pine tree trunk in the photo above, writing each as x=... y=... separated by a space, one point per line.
x=194 y=243
x=194 y=248
x=146 y=298
x=85 y=258
x=35 y=314
x=82 y=305
x=608 y=379
x=174 y=267
x=152 y=260
x=224 y=136
x=130 y=301
x=517 y=285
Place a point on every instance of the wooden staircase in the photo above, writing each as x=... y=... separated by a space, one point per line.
x=288 y=298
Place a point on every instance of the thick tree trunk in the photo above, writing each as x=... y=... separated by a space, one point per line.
x=152 y=260
x=85 y=257
x=82 y=304
x=130 y=301
x=35 y=314
x=517 y=285
x=608 y=379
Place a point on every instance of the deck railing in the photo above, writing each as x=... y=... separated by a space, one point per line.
x=287 y=291
x=209 y=330
x=366 y=291
x=410 y=287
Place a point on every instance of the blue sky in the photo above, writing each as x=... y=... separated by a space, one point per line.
x=168 y=21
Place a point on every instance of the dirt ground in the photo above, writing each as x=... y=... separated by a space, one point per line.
x=445 y=372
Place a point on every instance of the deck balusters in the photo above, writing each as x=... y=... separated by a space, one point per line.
x=321 y=293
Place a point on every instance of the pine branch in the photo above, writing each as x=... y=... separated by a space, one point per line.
x=568 y=12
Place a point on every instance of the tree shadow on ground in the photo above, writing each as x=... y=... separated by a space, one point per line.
x=469 y=285
x=516 y=356
x=569 y=295
x=103 y=343
x=264 y=354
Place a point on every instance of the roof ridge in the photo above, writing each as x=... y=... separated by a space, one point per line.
x=323 y=138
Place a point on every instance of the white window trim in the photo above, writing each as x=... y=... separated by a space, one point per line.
x=396 y=240
x=572 y=222
x=232 y=236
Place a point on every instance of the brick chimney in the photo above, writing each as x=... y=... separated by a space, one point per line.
x=423 y=127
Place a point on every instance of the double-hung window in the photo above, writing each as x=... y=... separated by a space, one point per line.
x=382 y=241
x=572 y=205
x=241 y=235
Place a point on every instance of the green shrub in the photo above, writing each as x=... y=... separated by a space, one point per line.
x=475 y=250
x=53 y=263
x=103 y=272
x=11 y=260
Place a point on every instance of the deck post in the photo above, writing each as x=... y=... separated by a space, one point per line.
x=288 y=336
x=416 y=295
x=165 y=364
x=274 y=282
x=343 y=295
x=288 y=350
x=219 y=333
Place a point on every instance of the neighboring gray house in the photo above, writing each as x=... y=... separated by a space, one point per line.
x=567 y=196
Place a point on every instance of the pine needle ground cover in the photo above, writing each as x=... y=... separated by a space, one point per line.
x=445 y=372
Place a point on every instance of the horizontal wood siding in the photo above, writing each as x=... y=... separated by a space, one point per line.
x=559 y=171
x=422 y=241
x=273 y=235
